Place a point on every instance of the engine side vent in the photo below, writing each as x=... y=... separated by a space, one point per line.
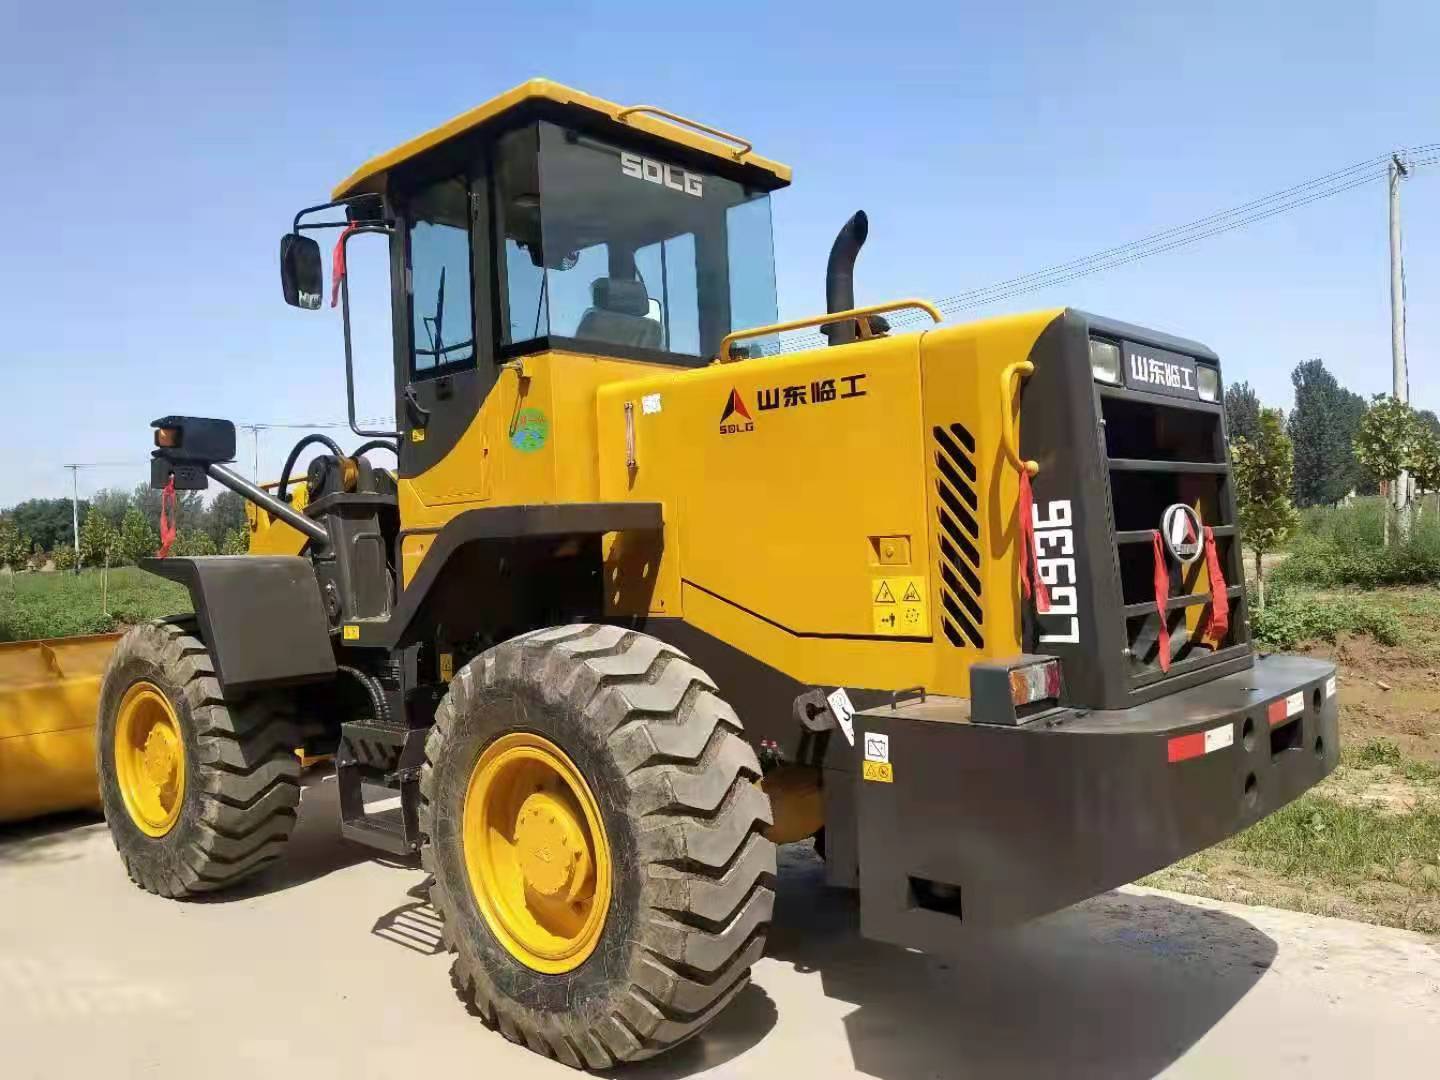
x=962 y=612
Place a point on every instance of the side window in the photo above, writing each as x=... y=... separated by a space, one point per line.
x=442 y=322
x=668 y=271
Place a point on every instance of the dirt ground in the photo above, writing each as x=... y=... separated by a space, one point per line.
x=1390 y=738
x=1387 y=692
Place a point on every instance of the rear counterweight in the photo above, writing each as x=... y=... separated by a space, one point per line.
x=971 y=825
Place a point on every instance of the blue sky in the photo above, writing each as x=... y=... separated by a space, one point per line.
x=153 y=155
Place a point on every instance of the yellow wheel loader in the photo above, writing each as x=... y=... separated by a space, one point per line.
x=643 y=594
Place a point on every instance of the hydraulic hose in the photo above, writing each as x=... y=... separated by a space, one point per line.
x=295 y=454
x=372 y=688
x=375 y=444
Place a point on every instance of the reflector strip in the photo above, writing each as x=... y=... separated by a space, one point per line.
x=1277 y=712
x=1330 y=687
x=1199 y=743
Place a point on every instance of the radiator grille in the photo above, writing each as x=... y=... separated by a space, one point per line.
x=961 y=610
x=1159 y=455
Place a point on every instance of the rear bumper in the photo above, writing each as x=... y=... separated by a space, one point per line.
x=983 y=826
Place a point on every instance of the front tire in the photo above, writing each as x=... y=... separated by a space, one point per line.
x=199 y=791
x=674 y=855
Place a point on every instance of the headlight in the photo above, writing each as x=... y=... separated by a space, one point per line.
x=1105 y=360
x=1207 y=380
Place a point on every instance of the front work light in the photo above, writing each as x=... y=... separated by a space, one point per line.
x=1207 y=380
x=1105 y=361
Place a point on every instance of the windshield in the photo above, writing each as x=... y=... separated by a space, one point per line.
x=624 y=252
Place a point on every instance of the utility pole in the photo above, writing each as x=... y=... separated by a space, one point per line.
x=1401 y=374
x=75 y=509
x=255 y=430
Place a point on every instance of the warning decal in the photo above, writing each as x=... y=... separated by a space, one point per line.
x=881 y=771
x=898 y=606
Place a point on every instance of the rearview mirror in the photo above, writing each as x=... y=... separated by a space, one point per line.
x=300 y=274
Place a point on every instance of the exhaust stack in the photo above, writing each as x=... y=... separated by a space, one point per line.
x=840 y=276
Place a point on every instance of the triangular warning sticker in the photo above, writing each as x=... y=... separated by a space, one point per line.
x=883 y=595
x=912 y=594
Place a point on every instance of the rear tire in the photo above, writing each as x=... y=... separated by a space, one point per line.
x=241 y=776
x=691 y=883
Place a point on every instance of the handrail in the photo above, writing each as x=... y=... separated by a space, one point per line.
x=745 y=144
x=1009 y=441
x=822 y=320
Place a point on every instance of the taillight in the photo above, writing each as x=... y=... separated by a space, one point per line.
x=1035 y=682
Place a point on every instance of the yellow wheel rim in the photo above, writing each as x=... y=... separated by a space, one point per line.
x=536 y=852
x=150 y=759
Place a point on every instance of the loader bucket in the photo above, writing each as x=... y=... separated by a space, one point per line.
x=49 y=695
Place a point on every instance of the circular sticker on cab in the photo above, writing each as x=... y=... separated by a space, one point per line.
x=532 y=428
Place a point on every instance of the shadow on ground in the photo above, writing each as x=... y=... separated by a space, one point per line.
x=316 y=847
x=1118 y=987
x=57 y=838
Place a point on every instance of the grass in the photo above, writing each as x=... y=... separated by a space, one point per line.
x=60 y=604
x=1338 y=546
x=1364 y=844
x=1294 y=616
x=1382 y=753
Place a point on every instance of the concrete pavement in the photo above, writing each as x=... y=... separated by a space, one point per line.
x=330 y=966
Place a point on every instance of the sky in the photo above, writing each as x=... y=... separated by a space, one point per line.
x=152 y=154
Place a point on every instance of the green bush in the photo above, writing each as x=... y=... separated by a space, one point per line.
x=1345 y=546
x=1293 y=618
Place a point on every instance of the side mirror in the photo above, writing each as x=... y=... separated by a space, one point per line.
x=300 y=274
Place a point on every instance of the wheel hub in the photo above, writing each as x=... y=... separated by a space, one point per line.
x=536 y=852
x=161 y=766
x=554 y=854
x=149 y=759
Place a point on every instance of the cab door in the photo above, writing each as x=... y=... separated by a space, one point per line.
x=444 y=342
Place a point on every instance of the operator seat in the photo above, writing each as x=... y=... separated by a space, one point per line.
x=618 y=315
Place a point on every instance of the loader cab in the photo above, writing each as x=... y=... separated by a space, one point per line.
x=546 y=222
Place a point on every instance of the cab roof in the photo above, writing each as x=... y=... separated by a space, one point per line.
x=370 y=177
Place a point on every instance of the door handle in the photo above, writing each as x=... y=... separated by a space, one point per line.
x=419 y=415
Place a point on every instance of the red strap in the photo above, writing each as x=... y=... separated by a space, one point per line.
x=1217 y=620
x=1029 y=553
x=1162 y=598
x=167 y=523
x=337 y=263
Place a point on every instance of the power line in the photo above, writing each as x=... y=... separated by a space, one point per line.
x=1279 y=202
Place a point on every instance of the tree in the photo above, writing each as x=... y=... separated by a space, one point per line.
x=48 y=522
x=1351 y=411
x=14 y=545
x=194 y=542
x=64 y=557
x=236 y=542
x=138 y=538
x=1242 y=412
x=224 y=515
x=189 y=506
x=1322 y=427
x=1263 y=472
x=1385 y=442
x=112 y=504
x=99 y=539
x=1425 y=456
